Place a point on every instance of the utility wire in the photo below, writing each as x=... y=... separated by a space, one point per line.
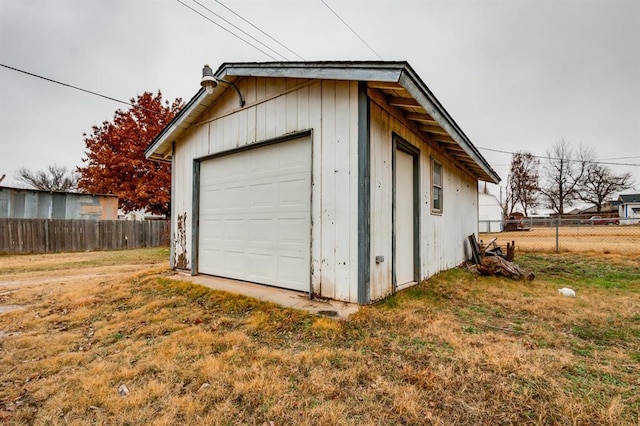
x=239 y=29
x=227 y=30
x=352 y=30
x=77 y=88
x=559 y=159
x=245 y=20
x=622 y=158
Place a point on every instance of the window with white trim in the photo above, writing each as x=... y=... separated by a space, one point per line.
x=436 y=186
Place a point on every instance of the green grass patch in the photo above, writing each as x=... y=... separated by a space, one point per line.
x=584 y=270
x=603 y=335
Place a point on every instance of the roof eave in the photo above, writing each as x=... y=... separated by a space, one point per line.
x=160 y=148
x=421 y=93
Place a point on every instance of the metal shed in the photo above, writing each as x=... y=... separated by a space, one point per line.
x=344 y=180
x=21 y=203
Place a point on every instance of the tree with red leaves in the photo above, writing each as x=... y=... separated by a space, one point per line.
x=116 y=164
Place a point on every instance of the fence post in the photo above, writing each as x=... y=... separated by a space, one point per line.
x=558 y=235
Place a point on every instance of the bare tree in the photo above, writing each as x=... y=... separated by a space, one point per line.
x=599 y=184
x=524 y=180
x=507 y=199
x=53 y=178
x=564 y=171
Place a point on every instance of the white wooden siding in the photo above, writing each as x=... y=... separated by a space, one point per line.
x=276 y=107
x=442 y=237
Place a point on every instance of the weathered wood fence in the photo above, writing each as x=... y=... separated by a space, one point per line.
x=64 y=235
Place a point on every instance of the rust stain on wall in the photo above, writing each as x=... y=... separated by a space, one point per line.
x=180 y=242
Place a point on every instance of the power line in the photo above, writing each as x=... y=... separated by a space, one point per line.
x=622 y=158
x=245 y=20
x=240 y=29
x=558 y=159
x=76 y=87
x=227 y=30
x=352 y=30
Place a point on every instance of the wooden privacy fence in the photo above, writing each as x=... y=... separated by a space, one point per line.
x=63 y=235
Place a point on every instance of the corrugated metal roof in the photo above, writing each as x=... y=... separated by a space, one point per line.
x=399 y=84
x=12 y=188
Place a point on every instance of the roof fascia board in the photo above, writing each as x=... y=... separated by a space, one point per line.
x=172 y=130
x=357 y=74
x=412 y=83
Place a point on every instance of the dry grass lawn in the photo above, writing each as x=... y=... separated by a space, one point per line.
x=456 y=349
x=621 y=239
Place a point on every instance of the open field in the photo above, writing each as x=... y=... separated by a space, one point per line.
x=456 y=349
x=579 y=238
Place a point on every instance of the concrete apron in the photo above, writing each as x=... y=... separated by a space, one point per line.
x=282 y=297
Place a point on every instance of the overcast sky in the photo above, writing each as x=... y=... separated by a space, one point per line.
x=515 y=75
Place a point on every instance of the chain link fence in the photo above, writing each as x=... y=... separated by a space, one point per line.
x=565 y=234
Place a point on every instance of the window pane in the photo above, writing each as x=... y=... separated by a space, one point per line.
x=437 y=198
x=437 y=174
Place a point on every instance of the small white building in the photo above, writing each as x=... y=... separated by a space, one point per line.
x=344 y=180
x=629 y=209
x=489 y=213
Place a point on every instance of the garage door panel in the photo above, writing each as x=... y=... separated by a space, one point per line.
x=235 y=262
x=293 y=269
x=235 y=230
x=210 y=253
x=291 y=193
x=262 y=230
x=262 y=194
x=292 y=231
x=262 y=266
x=255 y=213
x=211 y=229
x=290 y=158
x=236 y=196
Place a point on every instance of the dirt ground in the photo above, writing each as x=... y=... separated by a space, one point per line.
x=66 y=268
x=40 y=271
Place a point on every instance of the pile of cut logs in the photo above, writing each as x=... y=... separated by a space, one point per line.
x=488 y=259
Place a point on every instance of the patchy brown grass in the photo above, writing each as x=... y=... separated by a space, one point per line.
x=454 y=350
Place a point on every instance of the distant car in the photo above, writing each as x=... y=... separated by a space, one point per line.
x=599 y=220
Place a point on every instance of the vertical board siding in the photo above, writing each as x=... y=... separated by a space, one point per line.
x=277 y=107
x=314 y=98
x=381 y=203
x=328 y=185
x=353 y=190
x=68 y=235
x=442 y=237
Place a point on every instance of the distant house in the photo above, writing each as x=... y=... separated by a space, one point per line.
x=629 y=209
x=18 y=203
x=343 y=180
x=490 y=215
x=139 y=215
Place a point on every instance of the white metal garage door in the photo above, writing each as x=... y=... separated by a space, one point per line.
x=255 y=209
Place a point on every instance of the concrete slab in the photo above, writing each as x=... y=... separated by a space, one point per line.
x=286 y=298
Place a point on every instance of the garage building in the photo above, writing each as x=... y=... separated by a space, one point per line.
x=343 y=180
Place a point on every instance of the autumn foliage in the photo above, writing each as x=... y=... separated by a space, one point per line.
x=115 y=162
